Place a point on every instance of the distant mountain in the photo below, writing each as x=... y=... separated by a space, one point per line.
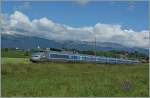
x=20 y=41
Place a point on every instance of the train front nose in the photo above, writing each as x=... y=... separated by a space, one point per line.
x=35 y=58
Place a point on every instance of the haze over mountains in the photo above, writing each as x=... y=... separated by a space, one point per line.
x=21 y=41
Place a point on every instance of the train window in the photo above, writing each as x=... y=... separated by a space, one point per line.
x=111 y=60
x=35 y=56
x=75 y=57
x=83 y=57
x=90 y=58
x=93 y=58
x=101 y=59
x=59 y=56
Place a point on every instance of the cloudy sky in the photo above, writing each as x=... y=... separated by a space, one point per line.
x=124 y=23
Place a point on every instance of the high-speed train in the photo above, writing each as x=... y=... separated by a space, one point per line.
x=67 y=56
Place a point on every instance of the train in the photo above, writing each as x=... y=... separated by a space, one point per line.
x=75 y=57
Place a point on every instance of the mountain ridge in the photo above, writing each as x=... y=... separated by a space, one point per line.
x=21 y=41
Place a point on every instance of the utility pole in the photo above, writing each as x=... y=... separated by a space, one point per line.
x=95 y=47
x=38 y=46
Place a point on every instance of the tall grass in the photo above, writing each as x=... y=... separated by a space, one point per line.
x=23 y=78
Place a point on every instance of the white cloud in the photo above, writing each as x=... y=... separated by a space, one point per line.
x=18 y=23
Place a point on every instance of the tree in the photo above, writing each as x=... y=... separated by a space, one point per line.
x=26 y=53
x=55 y=49
x=6 y=49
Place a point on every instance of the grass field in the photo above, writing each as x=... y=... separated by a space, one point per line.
x=13 y=53
x=23 y=78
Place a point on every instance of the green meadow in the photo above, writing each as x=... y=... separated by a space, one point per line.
x=20 y=77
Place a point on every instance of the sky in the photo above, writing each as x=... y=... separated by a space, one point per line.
x=119 y=22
